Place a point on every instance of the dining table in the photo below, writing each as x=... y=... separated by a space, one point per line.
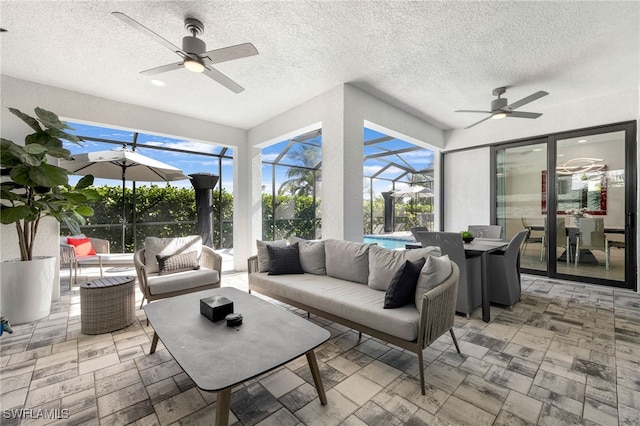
x=479 y=247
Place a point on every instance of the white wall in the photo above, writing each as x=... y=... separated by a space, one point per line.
x=343 y=112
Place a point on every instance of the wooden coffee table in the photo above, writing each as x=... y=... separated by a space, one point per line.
x=217 y=357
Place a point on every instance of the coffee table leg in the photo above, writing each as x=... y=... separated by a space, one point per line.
x=222 y=407
x=315 y=372
x=154 y=343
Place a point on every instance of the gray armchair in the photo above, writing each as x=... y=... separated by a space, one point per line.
x=68 y=255
x=469 y=285
x=504 y=272
x=486 y=231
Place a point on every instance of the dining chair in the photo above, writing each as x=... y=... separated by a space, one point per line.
x=562 y=239
x=415 y=229
x=530 y=238
x=504 y=272
x=469 y=285
x=592 y=237
x=486 y=231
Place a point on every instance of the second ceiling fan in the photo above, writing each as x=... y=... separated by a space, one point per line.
x=193 y=52
x=500 y=108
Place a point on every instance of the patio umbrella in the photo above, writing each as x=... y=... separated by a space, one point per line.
x=122 y=164
x=413 y=191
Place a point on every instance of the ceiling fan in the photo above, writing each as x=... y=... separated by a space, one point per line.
x=193 y=53
x=501 y=109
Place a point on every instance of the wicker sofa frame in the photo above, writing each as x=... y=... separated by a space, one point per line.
x=436 y=318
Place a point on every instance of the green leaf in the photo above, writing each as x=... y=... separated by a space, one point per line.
x=50 y=119
x=13 y=214
x=59 y=153
x=49 y=175
x=35 y=149
x=32 y=122
x=20 y=175
x=85 y=182
x=86 y=211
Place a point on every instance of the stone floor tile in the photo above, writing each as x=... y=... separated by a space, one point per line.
x=178 y=406
x=98 y=363
x=409 y=389
x=120 y=399
x=343 y=365
x=338 y=408
x=282 y=417
x=41 y=395
x=556 y=399
x=396 y=405
x=459 y=412
x=602 y=390
x=299 y=397
x=510 y=379
x=444 y=376
x=482 y=394
x=358 y=388
x=372 y=414
x=600 y=412
x=523 y=406
x=281 y=382
x=628 y=416
x=253 y=403
x=380 y=373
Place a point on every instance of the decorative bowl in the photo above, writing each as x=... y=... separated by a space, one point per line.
x=467 y=239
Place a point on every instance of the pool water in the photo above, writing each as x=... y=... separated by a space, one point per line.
x=388 y=242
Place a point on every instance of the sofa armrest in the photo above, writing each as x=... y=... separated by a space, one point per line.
x=252 y=264
x=210 y=259
x=100 y=245
x=438 y=309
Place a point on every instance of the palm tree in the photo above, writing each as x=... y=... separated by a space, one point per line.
x=301 y=179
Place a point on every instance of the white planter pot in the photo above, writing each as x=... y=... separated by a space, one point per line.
x=25 y=289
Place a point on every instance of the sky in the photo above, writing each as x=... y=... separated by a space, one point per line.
x=197 y=163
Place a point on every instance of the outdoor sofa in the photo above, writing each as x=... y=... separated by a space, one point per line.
x=349 y=282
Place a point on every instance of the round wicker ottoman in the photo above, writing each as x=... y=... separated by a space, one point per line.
x=107 y=304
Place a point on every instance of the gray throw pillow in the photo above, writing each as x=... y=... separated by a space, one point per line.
x=384 y=262
x=402 y=288
x=284 y=260
x=347 y=260
x=312 y=257
x=154 y=246
x=178 y=262
x=434 y=272
x=263 y=254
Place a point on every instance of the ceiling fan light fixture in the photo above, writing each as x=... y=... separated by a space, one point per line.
x=499 y=115
x=194 y=65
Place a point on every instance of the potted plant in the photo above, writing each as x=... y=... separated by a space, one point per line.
x=467 y=236
x=37 y=189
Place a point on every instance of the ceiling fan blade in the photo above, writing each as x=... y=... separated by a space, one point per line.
x=164 y=68
x=216 y=75
x=473 y=110
x=138 y=26
x=229 y=53
x=530 y=98
x=518 y=114
x=478 y=122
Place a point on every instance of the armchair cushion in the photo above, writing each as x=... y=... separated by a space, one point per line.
x=167 y=247
x=181 y=281
x=435 y=271
x=264 y=263
x=178 y=262
x=82 y=246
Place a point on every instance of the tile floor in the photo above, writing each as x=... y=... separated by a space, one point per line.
x=567 y=354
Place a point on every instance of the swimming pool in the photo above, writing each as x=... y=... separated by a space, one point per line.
x=388 y=241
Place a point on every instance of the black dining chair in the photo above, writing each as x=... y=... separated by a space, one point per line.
x=504 y=272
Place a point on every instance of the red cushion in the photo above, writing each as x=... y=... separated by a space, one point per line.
x=82 y=246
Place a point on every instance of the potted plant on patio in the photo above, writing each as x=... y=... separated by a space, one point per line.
x=37 y=189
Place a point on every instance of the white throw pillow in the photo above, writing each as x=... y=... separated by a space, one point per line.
x=384 y=262
x=154 y=246
x=264 y=263
x=312 y=257
x=434 y=272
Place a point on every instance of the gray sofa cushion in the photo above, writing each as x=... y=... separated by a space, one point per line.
x=357 y=303
x=347 y=260
x=312 y=257
x=263 y=253
x=384 y=262
x=434 y=272
x=284 y=260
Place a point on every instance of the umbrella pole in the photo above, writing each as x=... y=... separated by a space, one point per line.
x=124 y=211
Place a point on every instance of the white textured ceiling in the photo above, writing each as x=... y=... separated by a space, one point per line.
x=427 y=58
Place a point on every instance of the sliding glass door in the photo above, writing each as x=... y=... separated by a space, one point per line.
x=576 y=194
